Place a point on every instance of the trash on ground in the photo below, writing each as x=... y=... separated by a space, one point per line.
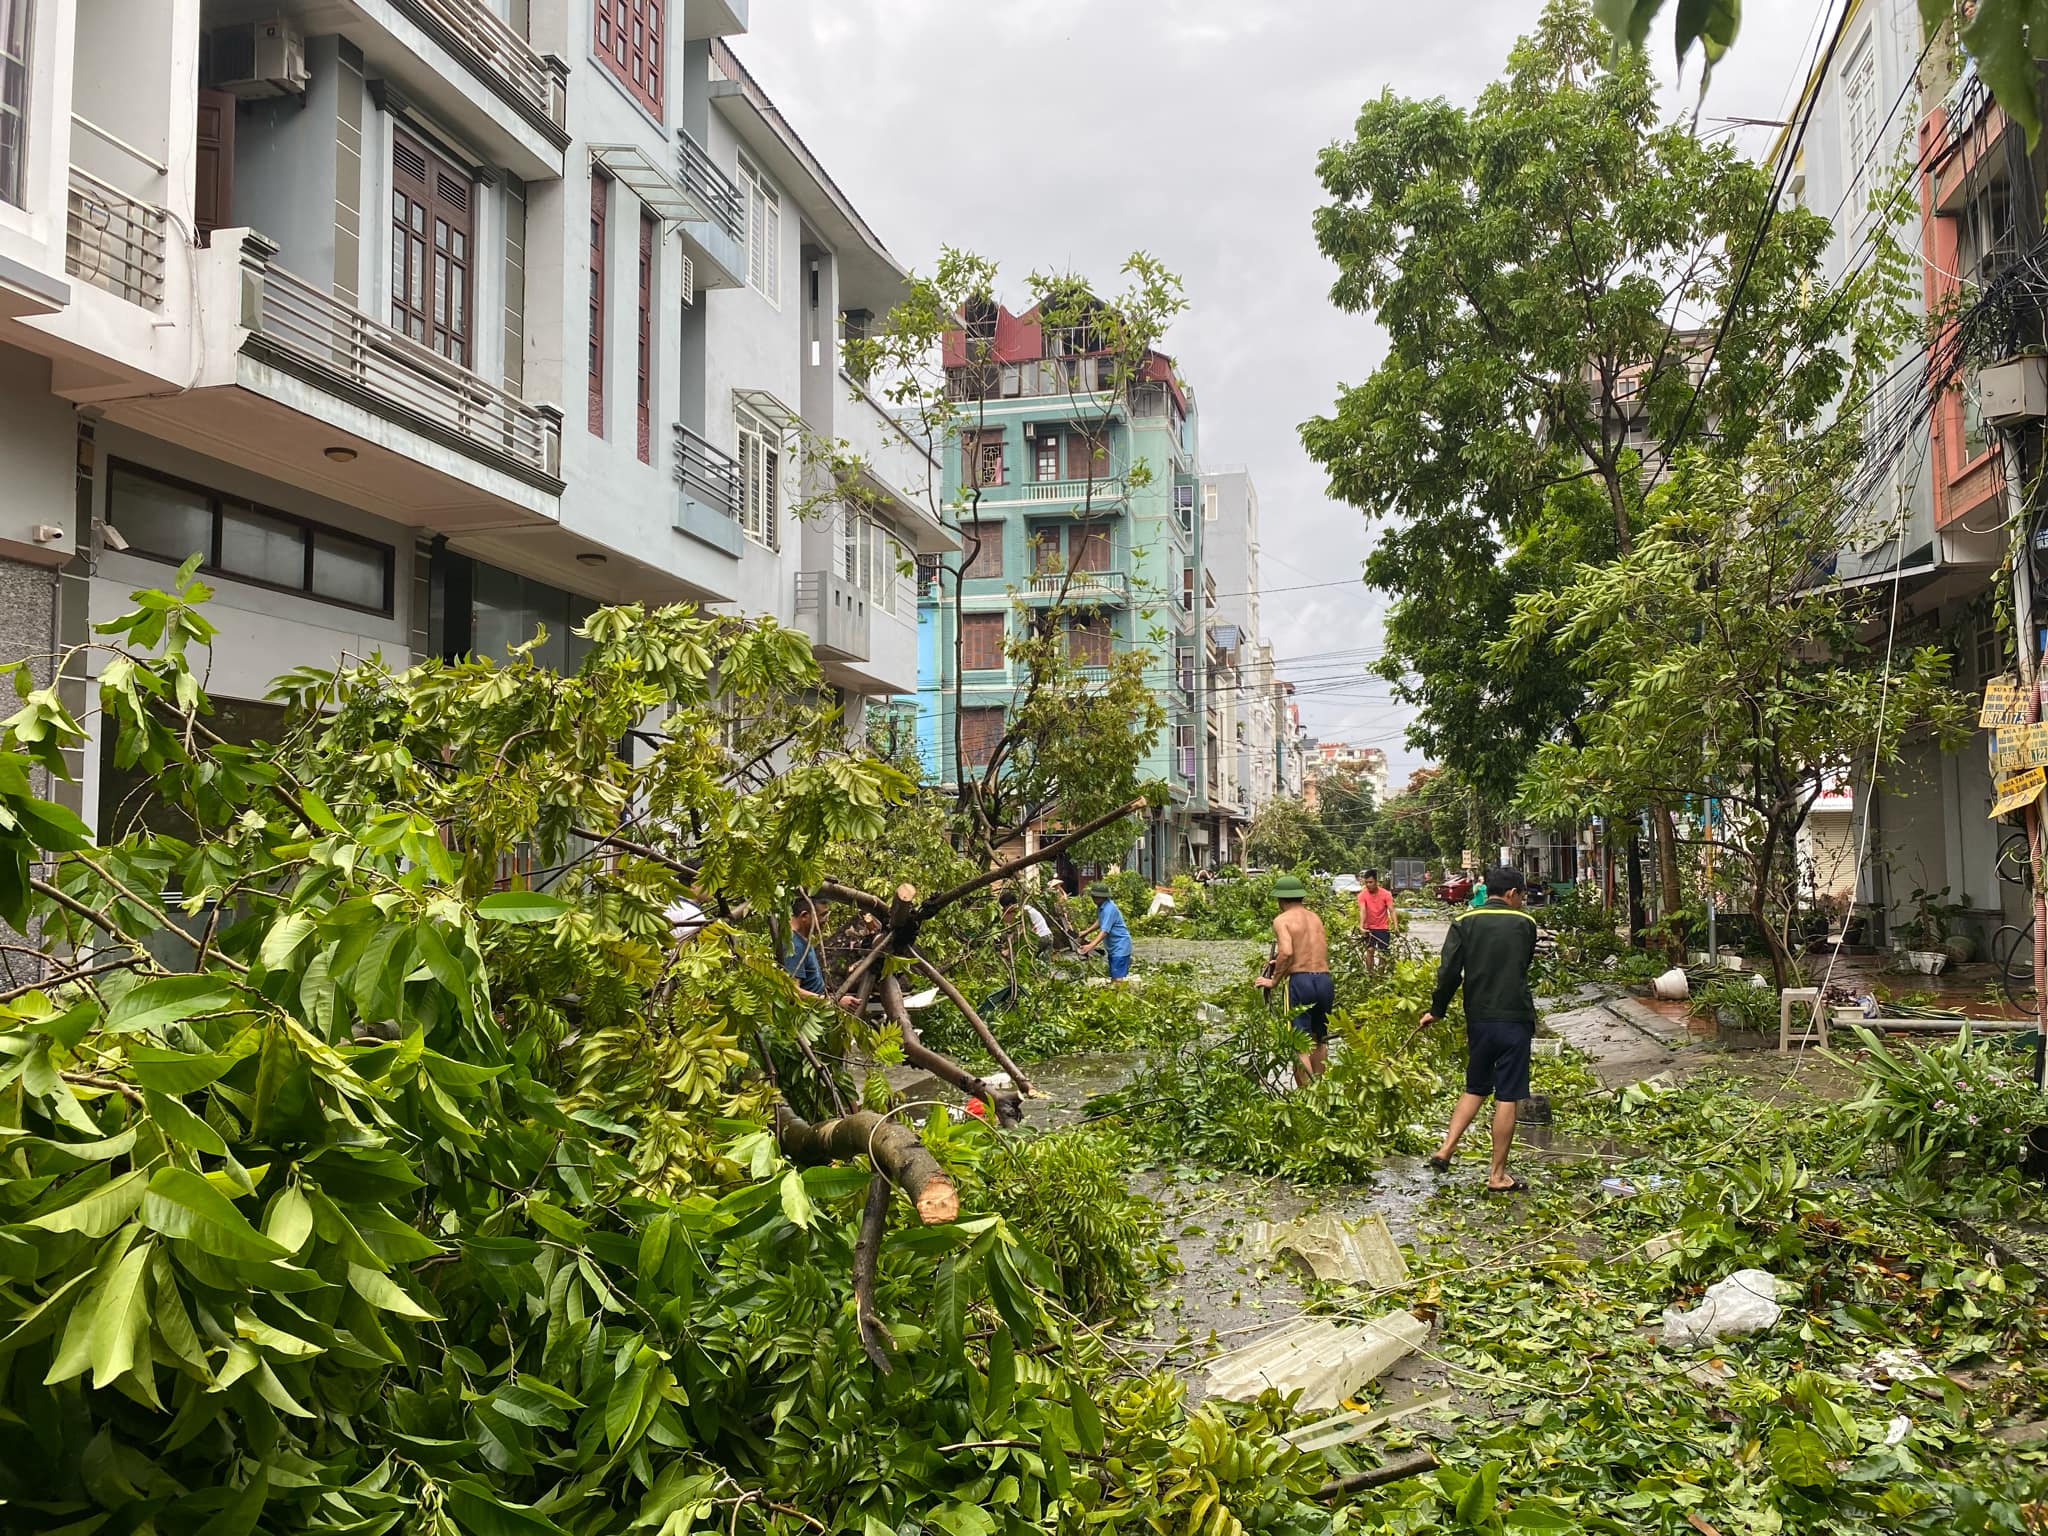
x=923 y=999
x=1323 y=1360
x=1356 y=1423
x=1622 y=1188
x=1360 y=1252
x=1672 y=986
x=1745 y=1302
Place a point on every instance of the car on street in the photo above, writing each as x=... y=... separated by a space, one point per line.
x=1455 y=890
x=1346 y=885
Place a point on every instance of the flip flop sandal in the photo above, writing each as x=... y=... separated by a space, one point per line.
x=1438 y=1164
x=1512 y=1187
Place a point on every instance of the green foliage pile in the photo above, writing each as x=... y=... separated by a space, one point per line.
x=1872 y=1406
x=1068 y=1195
x=414 y=1203
x=1062 y=1015
x=1232 y=1103
x=1241 y=907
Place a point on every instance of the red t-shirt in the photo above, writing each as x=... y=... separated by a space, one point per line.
x=1376 y=908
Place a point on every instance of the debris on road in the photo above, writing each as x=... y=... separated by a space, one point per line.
x=1323 y=1360
x=1360 y=1252
x=1745 y=1302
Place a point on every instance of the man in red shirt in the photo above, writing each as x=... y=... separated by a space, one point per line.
x=1376 y=920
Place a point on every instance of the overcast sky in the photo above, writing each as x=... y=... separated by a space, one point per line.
x=1064 y=134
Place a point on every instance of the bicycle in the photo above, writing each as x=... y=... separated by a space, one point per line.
x=2012 y=951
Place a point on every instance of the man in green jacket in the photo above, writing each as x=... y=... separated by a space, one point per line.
x=1489 y=951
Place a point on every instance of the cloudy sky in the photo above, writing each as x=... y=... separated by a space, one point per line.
x=1064 y=134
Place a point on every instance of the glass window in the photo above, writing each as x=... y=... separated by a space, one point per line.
x=15 y=36
x=261 y=547
x=157 y=518
x=347 y=571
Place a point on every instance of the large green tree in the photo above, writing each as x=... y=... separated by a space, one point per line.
x=1719 y=662
x=1549 y=266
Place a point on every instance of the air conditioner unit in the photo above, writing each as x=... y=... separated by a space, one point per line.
x=260 y=58
x=1030 y=430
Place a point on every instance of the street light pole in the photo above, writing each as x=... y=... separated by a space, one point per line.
x=2027 y=654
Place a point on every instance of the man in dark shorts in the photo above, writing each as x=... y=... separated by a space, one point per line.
x=1376 y=918
x=1488 y=951
x=1301 y=958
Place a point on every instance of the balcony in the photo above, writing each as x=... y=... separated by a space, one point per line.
x=707 y=492
x=114 y=241
x=301 y=330
x=1079 y=587
x=715 y=233
x=1083 y=379
x=834 y=613
x=535 y=87
x=1102 y=492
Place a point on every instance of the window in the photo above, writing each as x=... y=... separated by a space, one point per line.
x=600 y=218
x=1187 y=589
x=764 y=233
x=1208 y=503
x=1086 y=460
x=629 y=40
x=1990 y=650
x=1184 y=668
x=644 y=378
x=760 y=481
x=1045 y=455
x=15 y=38
x=1184 y=507
x=1089 y=641
x=1859 y=120
x=981 y=458
x=869 y=558
x=981 y=642
x=166 y=519
x=984 y=555
x=1088 y=549
x=980 y=731
x=431 y=234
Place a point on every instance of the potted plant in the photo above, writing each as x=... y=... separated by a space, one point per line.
x=1925 y=935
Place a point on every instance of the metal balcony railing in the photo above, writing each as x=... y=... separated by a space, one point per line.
x=395 y=374
x=710 y=186
x=706 y=474
x=498 y=54
x=1080 y=586
x=114 y=241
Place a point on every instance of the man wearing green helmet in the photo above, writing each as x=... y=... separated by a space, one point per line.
x=1301 y=958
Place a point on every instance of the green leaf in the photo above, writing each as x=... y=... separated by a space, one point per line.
x=284 y=939
x=239 y=1515
x=481 y=1512
x=521 y=907
x=122 y=1315
x=962 y=1520
x=177 y=1072
x=289 y=1221
x=1998 y=39
x=796 y=1200
x=147 y=1009
x=100 y=1211
x=384 y=1293
x=181 y=1204
x=1800 y=1456
x=1087 y=1418
x=181 y=1124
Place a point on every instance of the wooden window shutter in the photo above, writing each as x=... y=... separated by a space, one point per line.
x=600 y=207
x=981 y=642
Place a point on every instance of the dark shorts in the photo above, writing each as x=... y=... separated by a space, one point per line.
x=1497 y=1060
x=1311 y=994
x=1380 y=938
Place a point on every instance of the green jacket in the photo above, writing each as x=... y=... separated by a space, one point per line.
x=1488 y=951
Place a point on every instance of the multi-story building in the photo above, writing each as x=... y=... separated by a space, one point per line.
x=424 y=323
x=1335 y=757
x=1241 y=762
x=1057 y=519
x=1927 y=523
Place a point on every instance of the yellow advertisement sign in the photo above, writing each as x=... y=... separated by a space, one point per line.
x=2019 y=790
x=2017 y=748
x=2005 y=703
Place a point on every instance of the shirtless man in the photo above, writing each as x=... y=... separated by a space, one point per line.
x=1301 y=957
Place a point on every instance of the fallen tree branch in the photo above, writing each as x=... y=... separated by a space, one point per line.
x=1009 y=1107
x=875 y=1337
x=1375 y=1477
x=988 y=1037
x=1023 y=862
x=638 y=850
x=893 y=1149
x=853 y=896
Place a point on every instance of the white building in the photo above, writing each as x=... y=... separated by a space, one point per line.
x=424 y=322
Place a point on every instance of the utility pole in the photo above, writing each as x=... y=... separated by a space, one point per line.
x=2026 y=650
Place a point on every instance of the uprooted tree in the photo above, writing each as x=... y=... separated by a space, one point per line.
x=349 y=1188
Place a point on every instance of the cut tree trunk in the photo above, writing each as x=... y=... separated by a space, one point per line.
x=1008 y=1105
x=893 y=1148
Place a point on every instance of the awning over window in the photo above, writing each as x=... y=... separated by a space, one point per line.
x=659 y=193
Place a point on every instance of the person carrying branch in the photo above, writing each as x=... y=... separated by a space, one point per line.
x=1489 y=951
x=1301 y=958
x=1111 y=933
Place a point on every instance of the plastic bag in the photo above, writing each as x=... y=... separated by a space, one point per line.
x=1745 y=1302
